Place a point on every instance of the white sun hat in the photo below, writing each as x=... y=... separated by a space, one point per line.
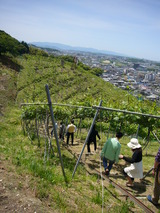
x=133 y=144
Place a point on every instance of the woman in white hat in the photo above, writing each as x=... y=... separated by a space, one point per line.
x=135 y=170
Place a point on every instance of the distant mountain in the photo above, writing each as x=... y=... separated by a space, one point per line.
x=71 y=48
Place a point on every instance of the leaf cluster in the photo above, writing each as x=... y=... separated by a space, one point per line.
x=12 y=45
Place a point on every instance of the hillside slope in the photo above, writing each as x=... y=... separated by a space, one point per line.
x=32 y=180
x=67 y=83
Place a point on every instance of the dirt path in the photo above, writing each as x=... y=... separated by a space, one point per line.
x=15 y=193
x=141 y=188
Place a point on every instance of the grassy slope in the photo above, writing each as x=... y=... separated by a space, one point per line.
x=66 y=85
x=8 y=78
x=45 y=178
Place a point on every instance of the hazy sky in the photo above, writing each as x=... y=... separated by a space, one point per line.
x=131 y=27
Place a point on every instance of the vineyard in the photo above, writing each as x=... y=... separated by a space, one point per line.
x=75 y=85
x=132 y=125
x=26 y=140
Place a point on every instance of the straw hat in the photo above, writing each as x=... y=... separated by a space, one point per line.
x=133 y=144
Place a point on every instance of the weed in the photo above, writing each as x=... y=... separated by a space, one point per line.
x=97 y=198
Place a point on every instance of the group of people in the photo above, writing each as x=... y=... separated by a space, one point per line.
x=69 y=131
x=111 y=154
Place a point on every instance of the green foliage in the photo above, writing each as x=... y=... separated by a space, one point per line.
x=33 y=111
x=84 y=66
x=67 y=58
x=124 y=208
x=97 y=71
x=36 y=51
x=11 y=45
x=68 y=84
x=136 y=60
x=78 y=85
x=97 y=198
x=81 y=87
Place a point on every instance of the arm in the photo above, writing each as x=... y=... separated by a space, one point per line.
x=127 y=159
x=136 y=157
x=117 y=154
x=104 y=149
x=67 y=128
x=98 y=136
x=155 y=166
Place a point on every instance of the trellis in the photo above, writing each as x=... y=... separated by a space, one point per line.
x=97 y=108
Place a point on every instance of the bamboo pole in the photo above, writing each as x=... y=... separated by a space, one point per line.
x=95 y=107
x=54 y=128
x=86 y=139
x=125 y=111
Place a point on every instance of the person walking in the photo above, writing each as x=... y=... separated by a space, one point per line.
x=110 y=152
x=135 y=170
x=156 y=172
x=61 y=131
x=92 y=138
x=52 y=131
x=71 y=129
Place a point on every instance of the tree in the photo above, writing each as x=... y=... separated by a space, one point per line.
x=12 y=45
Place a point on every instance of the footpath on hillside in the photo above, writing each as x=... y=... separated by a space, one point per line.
x=93 y=163
x=16 y=194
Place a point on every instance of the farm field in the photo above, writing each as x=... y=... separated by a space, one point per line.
x=31 y=178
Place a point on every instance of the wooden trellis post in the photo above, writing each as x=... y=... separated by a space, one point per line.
x=54 y=129
x=86 y=139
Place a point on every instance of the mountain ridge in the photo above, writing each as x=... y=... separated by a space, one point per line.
x=60 y=46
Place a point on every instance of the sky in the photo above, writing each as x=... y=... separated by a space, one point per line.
x=130 y=27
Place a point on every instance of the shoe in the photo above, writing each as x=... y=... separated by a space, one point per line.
x=88 y=153
x=105 y=173
x=129 y=184
x=149 y=198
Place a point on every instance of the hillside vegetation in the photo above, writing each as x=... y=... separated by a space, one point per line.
x=12 y=45
x=68 y=83
x=23 y=79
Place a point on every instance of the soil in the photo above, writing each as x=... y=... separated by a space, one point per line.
x=15 y=193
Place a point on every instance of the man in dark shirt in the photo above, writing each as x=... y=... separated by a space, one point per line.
x=156 y=171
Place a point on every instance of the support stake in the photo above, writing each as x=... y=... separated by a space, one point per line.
x=54 y=128
x=86 y=139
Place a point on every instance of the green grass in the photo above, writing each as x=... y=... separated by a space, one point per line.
x=47 y=179
x=67 y=85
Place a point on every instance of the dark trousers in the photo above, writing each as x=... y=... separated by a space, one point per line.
x=68 y=136
x=61 y=136
x=88 y=145
x=107 y=164
x=156 y=190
